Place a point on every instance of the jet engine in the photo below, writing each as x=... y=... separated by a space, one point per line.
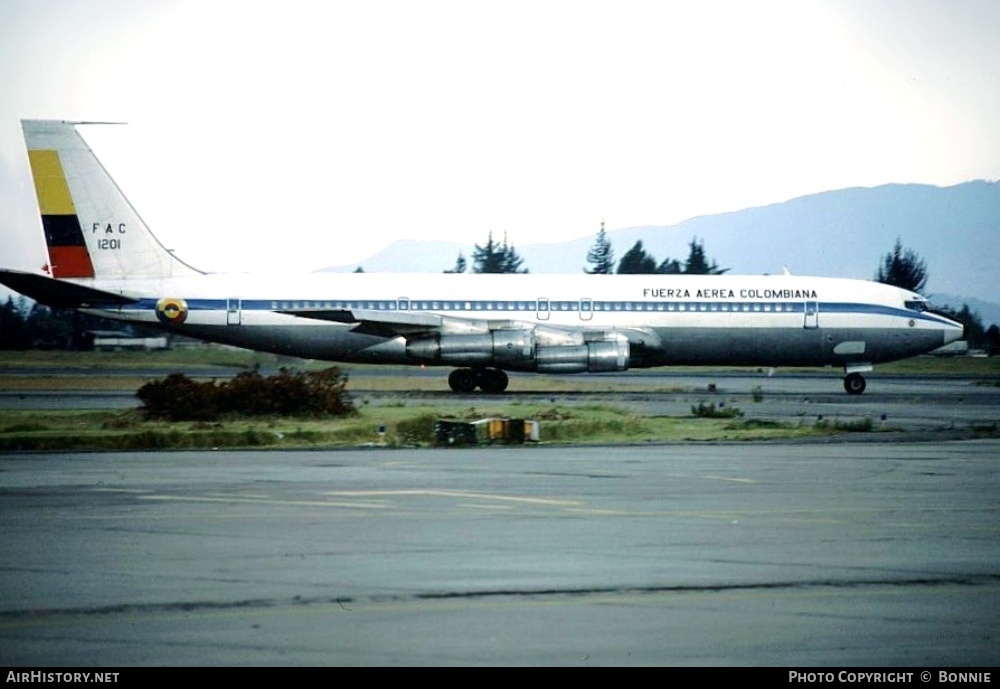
x=518 y=350
x=592 y=357
x=504 y=348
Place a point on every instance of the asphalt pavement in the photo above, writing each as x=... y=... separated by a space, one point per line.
x=781 y=555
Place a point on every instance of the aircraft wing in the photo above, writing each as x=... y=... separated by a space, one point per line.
x=371 y=322
x=60 y=294
x=415 y=325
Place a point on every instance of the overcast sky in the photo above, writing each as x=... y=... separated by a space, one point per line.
x=296 y=135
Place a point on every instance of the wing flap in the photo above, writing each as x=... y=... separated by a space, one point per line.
x=371 y=322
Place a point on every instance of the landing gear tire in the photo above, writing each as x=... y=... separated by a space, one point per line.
x=466 y=380
x=462 y=380
x=854 y=383
x=493 y=380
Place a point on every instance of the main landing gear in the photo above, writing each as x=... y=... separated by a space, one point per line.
x=854 y=383
x=486 y=379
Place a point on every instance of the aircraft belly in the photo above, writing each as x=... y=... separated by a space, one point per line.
x=876 y=345
x=786 y=346
x=329 y=343
x=738 y=347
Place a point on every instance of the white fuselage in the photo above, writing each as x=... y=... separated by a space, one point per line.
x=666 y=319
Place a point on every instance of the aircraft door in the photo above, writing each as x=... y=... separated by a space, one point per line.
x=586 y=309
x=811 y=314
x=543 y=309
x=234 y=311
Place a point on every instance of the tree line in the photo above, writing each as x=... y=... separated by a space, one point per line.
x=494 y=257
x=25 y=324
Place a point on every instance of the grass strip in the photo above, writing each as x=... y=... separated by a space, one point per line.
x=384 y=426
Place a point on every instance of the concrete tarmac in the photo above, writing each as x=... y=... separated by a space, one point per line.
x=787 y=555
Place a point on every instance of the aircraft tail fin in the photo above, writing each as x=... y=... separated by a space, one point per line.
x=91 y=230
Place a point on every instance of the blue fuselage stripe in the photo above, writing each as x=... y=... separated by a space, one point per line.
x=478 y=308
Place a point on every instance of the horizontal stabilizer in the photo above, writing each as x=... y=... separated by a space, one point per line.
x=59 y=294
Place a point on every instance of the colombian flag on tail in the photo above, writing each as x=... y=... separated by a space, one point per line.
x=68 y=255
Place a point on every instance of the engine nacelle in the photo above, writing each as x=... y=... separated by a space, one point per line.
x=592 y=357
x=496 y=348
x=517 y=350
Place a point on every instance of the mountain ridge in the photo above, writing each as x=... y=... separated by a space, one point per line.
x=838 y=233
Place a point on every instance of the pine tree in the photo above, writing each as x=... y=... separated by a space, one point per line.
x=487 y=259
x=459 y=264
x=698 y=264
x=496 y=258
x=636 y=261
x=13 y=334
x=511 y=261
x=601 y=256
x=669 y=266
x=992 y=338
x=903 y=268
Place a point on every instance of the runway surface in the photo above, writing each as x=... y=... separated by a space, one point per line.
x=841 y=554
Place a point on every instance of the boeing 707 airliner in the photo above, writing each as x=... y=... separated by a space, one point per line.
x=103 y=259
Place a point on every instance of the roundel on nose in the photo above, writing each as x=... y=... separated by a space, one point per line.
x=171 y=310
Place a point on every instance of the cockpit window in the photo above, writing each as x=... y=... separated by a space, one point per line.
x=915 y=305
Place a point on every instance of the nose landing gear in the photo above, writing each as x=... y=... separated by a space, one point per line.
x=854 y=383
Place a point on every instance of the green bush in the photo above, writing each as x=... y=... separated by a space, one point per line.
x=178 y=398
x=864 y=425
x=416 y=431
x=710 y=411
x=754 y=424
x=857 y=426
x=288 y=393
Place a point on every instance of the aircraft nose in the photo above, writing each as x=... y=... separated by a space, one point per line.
x=953 y=331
